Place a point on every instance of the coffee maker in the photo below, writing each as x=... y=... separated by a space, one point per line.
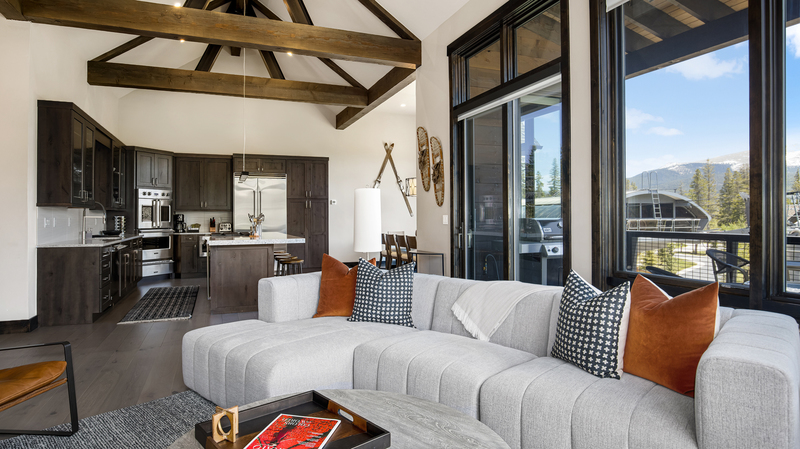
x=180 y=223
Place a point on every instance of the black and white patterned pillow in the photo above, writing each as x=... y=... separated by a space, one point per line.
x=592 y=327
x=383 y=296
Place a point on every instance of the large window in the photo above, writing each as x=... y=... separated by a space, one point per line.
x=687 y=142
x=508 y=148
x=698 y=125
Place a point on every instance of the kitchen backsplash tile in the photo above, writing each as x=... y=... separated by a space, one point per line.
x=59 y=224
x=204 y=217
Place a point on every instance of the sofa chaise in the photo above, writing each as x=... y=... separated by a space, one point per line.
x=747 y=384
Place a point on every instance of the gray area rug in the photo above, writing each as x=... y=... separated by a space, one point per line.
x=155 y=424
x=163 y=304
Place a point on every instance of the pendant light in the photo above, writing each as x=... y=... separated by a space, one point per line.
x=244 y=174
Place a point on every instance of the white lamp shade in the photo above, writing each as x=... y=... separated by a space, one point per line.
x=367 y=224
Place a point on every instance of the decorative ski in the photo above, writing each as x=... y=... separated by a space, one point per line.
x=438 y=170
x=423 y=159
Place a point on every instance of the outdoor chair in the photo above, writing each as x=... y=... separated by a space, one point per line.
x=662 y=272
x=728 y=264
x=20 y=383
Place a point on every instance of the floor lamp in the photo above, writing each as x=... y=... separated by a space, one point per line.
x=367 y=221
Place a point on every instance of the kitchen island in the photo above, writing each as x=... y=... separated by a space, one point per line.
x=236 y=264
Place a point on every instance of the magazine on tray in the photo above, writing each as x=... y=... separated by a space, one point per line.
x=292 y=431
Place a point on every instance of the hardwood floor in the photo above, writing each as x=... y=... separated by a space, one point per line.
x=116 y=366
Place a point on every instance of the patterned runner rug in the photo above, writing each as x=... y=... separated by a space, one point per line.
x=163 y=304
x=152 y=425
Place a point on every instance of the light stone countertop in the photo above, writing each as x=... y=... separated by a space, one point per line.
x=267 y=238
x=95 y=242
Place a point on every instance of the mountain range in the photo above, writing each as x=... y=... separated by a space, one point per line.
x=672 y=176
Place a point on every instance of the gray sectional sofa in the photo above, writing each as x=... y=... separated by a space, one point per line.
x=747 y=391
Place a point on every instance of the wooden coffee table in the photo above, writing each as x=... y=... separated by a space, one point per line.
x=413 y=423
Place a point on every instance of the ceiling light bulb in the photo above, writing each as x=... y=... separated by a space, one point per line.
x=403 y=105
x=182 y=40
x=177 y=5
x=289 y=53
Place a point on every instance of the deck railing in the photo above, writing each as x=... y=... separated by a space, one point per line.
x=684 y=253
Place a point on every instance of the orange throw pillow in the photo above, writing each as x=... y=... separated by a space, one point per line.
x=337 y=291
x=667 y=336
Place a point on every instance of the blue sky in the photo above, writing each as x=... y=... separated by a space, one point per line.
x=698 y=109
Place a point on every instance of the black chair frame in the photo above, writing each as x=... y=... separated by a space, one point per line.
x=73 y=403
x=723 y=267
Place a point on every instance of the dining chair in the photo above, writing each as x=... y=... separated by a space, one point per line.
x=403 y=250
x=20 y=383
x=412 y=241
x=384 y=252
x=391 y=247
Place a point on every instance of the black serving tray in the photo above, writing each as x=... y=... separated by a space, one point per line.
x=354 y=432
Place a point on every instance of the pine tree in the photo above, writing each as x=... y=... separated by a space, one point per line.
x=796 y=184
x=711 y=197
x=728 y=199
x=555 y=179
x=529 y=186
x=539 y=185
x=697 y=188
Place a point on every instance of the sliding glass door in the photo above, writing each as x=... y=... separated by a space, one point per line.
x=485 y=214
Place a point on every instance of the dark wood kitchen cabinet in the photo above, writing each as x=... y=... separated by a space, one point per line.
x=203 y=183
x=189 y=262
x=75 y=285
x=119 y=167
x=153 y=169
x=307 y=178
x=66 y=160
x=259 y=164
x=308 y=219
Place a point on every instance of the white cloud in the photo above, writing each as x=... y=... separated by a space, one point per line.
x=706 y=66
x=793 y=40
x=662 y=131
x=635 y=118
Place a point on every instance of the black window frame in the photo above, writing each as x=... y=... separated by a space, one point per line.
x=502 y=23
x=767 y=93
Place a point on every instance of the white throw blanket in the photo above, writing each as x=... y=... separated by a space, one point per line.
x=483 y=307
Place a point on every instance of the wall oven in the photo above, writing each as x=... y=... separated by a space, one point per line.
x=156 y=245
x=154 y=209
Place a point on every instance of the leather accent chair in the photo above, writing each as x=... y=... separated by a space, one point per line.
x=20 y=383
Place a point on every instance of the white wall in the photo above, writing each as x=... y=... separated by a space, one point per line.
x=206 y=124
x=48 y=63
x=433 y=113
x=15 y=118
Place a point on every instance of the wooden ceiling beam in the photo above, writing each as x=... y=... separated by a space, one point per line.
x=264 y=10
x=11 y=10
x=268 y=57
x=385 y=88
x=215 y=4
x=126 y=47
x=209 y=58
x=299 y=14
x=156 y=20
x=635 y=41
x=190 y=81
x=705 y=10
x=655 y=20
x=395 y=25
x=137 y=41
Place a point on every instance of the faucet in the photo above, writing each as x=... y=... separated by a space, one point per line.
x=83 y=222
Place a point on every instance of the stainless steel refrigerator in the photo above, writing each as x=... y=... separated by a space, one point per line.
x=265 y=194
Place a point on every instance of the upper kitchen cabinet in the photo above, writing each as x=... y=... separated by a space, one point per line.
x=118 y=178
x=153 y=169
x=203 y=183
x=258 y=164
x=307 y=178
x=67 y=167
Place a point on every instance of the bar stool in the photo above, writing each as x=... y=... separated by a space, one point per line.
x=280 y=260
x=294 y=266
